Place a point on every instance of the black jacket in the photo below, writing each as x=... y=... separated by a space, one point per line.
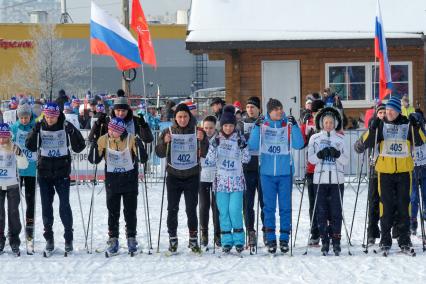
x=253 y=165
x=55 y=167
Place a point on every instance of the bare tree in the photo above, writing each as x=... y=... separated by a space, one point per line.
x=49 y=65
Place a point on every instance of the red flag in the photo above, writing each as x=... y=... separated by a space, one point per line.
x=140 y=26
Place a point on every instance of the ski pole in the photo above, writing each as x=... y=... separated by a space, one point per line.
x=259 y=185
x=422 y=225
x=147 y=207
x=291 y=186
x=162 y=199
x=298 y=214
x=78 y=193
x=35 y=192
x=257 y=214
x=341 y=207
x=22 y=207
x=356 y=198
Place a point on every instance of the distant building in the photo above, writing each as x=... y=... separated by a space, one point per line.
x=18 y=11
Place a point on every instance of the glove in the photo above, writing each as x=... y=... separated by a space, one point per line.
x=375 y=123
x=324 y=153
x=142 y=121
x=143 y=156
x=101 y=119
x=414 y=119
x=359 y=147
x=259 y=120
x=306 y=117
x=69 y=128
x=291 y=120
x=334 y=153
x=242 y=143
x=37 y=127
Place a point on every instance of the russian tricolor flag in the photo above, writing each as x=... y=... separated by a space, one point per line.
x=109 y=37
x=381 y=53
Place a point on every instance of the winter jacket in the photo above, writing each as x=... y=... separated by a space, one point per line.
x=273 y=164
x=208 y=172
x=406 y=111
x=308 y=129
x=31 y=156
x=227 y=183
x=162 y=150
x=387 y=164
x=21 y=163
x=55 y=167
x=134 y=125
x=324 y=168
x=246 y=126
x=122 y=181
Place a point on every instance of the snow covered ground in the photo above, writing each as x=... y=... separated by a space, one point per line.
x=157 y=268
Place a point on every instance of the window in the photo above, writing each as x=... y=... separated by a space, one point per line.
x=356 y=84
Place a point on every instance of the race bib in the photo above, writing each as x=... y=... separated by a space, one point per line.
x=7 y=165
x=53 y=143
x=248 y=127
x=274 y=140
x=420 y=157
x=73 y=119
x=183 y=151
x=21 y=136
x=328 y=163
x=395 y=141
x=229 y=161
x=119 y=161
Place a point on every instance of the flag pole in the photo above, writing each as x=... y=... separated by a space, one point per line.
x=91 y=73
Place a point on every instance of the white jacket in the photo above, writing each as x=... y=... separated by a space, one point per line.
x=319 y=141
x=208 y=172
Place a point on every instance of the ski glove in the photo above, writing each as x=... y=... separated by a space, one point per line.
x=143 y=156
x=414 y=119
x=334 y=153
x=242 y=143
x=306 y=117
x=375 y=123
x=359 y=147
x=291 y=120
x=324 y=153
x=69 y=128
x=101 y=119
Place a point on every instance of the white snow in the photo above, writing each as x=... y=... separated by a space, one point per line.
x=208 y=268
x=240 y=20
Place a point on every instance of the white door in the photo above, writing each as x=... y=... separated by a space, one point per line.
x=281 y=80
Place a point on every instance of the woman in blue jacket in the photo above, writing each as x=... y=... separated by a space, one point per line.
x=271 y=137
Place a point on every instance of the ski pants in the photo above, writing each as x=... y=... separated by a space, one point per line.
x=207 y=200
x=394 y=191
x=48 y=186
x=14 y=223
x=252 y=184
x=419 y=183
x=29 y=184
x=175 y=187
x=130 y=204
x=311 y=195
x=329 y=211
x=373 y=230
x=230 y=206
x=277 y=187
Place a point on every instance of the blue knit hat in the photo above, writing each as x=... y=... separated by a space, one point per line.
x=51 y=109
x=394 y=103
x=4 y=130
x=116 y=124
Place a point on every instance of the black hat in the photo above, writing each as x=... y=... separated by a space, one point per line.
x=272 y=104
x=328 y=111
x=380 y=106
x=120 y=93
x=254 y=101
x=121 y=103
x=217 y=100
x=228 y=115
x=317 y=105
x=182 y=107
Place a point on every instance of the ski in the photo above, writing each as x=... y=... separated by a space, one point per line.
x=170 y=253
x=229 y=254
x=68 y=253
x=48 y=253
x=409 y=252
x=108 y=254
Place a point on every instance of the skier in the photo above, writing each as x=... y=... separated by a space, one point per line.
x=120 y=151
x=272 y=137
x=70 y=116
x=251 y=174
x=52 y=137
x=183 y=144
x=394 y=168
x=228 y=152
x=20 y=130
x=308 y=129
x=373 y=231
x=326 y=150
x=206 y=195
x=11 y=158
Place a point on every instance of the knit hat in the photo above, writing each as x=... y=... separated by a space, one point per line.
x=100 y=108
x=24 y=109
x=273 y=104
x=190 y=105
x=380 y=106
x=394 y=103
x=67 y=108
x=121 y=103
x=51 y=109
x=328 y=111
x=117 y=125
x=317 y=105
x=217 y=100
x=13 y=104
x=228 y=115
x=182 y=107
x=237 y=105
x=254 y=101
x=4 y=130
x=120 y=93
x=75 y=101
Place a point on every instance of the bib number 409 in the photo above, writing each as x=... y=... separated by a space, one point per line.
x=274 y=149
x=396 y=147
x=184 y=158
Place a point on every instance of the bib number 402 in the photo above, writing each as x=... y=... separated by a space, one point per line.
x=396 y=147
x=184 y=158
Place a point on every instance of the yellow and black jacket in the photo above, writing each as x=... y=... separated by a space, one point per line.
x=390 y=165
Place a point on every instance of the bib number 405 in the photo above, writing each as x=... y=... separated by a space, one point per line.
x=184 y=158
x=396 y=147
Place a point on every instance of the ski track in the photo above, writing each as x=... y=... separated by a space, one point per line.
x=81 y=267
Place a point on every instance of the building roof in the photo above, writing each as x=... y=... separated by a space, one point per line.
x=249 y=21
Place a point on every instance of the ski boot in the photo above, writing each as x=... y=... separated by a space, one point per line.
x=2 y=243
x=252 y=240
x=204 y=238
x=217 y=241
x=193 y=243
x=239 y=248
x=413 y=226
x=226 y=249
x=68 y=248
x=15 y=249
x=284 y=246
x=313 y=241
x=371 y=241
x=113 y=247
x=50 y=247
x=325 y=246
x=132 y=246
x=336 y=247
x=272 y=246
x=173 y=244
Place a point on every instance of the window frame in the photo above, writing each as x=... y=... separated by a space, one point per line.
x=368 y=102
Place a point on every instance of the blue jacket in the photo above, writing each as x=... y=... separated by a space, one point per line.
x=31 y=170
x=272 y=164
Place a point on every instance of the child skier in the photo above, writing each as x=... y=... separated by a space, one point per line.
x=183 y=144
x=206 y=195
x=228 y=152
x=20 y=130
x=272 y=137
x=120 y=151
x=10 y=157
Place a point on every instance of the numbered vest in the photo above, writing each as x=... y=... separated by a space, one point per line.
x=53 y=143
x=183 y=151
x=228 y=158
x=395 y=141
x=274 y=140
x=21 y=136
x=420 y=158
x=9 y=116
x=329 y=163
x=7 y=165
x=73 y=119
x=119 y=161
